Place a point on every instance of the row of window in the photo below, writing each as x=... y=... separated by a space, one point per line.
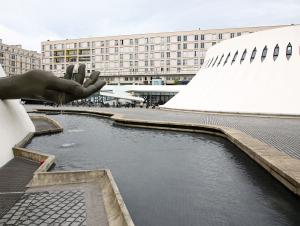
x=214 y=61
x=19 y=51
x=135 y=41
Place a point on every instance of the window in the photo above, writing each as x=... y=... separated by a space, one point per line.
x=253 y=55
x=196 y=37
x=215 y=61
x=196 y=46
x=178 y=62
x=178 y=38
x=264 y=54
x=168 y=39
x=184 y=38
x=289 y=51
x=243 y=56
x=213 y=43
x=184 y=46
x=202 y=45
x=178 y=54
x=202 y=37
x=201 y=61
x=168 y=54
x=276 y=52
x=234 y=57
x=231 y=35
x=195 y=53
x=220 y=36
x=179 y=46
x=239 y=34
x=225 y=62
x=220 y=60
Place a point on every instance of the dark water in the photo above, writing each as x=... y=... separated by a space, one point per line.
x=170 y=178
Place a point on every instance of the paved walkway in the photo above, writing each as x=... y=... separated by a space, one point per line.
x=281 y=133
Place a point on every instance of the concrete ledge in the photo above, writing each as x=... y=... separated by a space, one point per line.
x=78 y=112
x=57 y=127
x=25 y=140
x=280 y=165
x=117 y=213
x=46 y=160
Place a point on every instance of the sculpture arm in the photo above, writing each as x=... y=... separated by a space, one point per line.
x=6 y=87
x=44 y=85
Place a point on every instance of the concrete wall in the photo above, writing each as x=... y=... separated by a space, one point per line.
x=15 y=124
x=268 y=87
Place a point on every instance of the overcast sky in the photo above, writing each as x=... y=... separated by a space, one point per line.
x=28 y=22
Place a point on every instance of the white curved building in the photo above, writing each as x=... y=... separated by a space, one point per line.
x=255 y=73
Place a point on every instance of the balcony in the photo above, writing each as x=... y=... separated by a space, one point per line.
x=59 y=53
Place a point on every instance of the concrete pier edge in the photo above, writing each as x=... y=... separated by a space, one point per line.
x=283 y=167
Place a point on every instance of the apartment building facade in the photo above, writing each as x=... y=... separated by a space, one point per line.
x=15 y=60
x=172 y=57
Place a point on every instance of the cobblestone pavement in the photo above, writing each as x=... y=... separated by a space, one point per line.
x=281 y=133
x=48 y=208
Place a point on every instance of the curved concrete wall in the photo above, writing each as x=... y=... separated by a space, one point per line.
x=268 y=87
x=15 y=124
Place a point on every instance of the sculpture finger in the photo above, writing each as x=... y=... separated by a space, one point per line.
x=93 y=78
x=79 y=77
x=72 y=88
x=93 y=88
x=69 y=72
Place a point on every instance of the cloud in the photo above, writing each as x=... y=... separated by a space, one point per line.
x=28 y=41
x=32 y=21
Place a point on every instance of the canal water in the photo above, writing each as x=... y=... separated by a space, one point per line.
x=172 y=178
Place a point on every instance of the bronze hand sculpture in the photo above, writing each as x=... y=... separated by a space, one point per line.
x=43 y=85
